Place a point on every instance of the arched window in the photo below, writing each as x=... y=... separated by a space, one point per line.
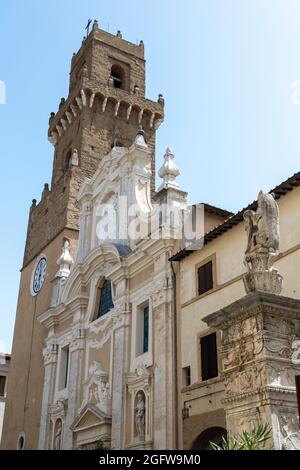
x=105 y=301
x=117 y=74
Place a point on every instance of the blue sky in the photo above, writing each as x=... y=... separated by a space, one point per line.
x=225 y=68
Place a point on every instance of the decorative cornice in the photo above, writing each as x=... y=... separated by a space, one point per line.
x=85 y=97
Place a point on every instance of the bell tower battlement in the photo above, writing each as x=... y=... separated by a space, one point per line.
x=105 y=107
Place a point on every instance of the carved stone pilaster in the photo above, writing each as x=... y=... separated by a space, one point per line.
x=50 y=354
x=256 y=351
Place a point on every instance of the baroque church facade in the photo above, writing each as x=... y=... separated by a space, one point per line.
x=129 y=332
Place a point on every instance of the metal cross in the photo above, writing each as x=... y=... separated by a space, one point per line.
x=88 y=27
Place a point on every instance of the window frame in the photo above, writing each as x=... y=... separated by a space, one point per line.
x=63 y=378
x=208 y=332
x=212 y=258
x=100 y=288
x=3 y=376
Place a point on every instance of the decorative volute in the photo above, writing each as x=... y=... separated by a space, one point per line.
x=65 y=260
x=169 y=170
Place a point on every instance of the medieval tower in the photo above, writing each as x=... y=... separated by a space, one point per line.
x=105 y=107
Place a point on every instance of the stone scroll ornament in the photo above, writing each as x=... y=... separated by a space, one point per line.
x=262 y=249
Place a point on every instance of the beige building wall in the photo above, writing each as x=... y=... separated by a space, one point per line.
x=25 y=385
x=227 y=252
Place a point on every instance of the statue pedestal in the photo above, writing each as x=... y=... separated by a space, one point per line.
x=259 y=375
x=265 y=281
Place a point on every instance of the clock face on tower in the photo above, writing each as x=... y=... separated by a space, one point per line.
x=38 y=276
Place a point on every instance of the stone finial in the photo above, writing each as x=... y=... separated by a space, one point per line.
x=65 y=260
x=83 y=40
x=140 y=138
x=45 y=190
x=62 y=101
x=169 y=170
x=33 y=203
x=262 y=249
x=119 y=34
x=161 y=98
x=52 y=116
x=141 y=43
x=95 y=24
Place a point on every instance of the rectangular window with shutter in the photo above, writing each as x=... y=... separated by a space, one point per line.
x=209 y=356
x=2 y=385
x=205 y=278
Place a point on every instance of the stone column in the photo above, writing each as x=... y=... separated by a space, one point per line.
x=121 y=323
x=75 y=364
x=259 y=375
x=50 y=361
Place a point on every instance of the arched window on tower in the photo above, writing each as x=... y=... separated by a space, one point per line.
x=117 y=74
x=105 y=303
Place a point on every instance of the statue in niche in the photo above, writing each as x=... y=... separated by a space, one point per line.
x=262 y=249
x=139 y=412
x=57 y=439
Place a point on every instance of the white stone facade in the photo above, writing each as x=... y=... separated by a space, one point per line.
x=107 y=369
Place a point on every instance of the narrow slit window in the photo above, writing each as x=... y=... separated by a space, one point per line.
x=146 y=329
x=209 y=356
x=64 y=368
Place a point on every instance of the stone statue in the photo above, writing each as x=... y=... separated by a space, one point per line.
x=57 y=441
x=262 y=249
x=140 y=416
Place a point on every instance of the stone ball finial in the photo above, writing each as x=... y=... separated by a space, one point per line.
x=169 y=170
x=119 y=34
x=45 y=190
x=141 y=42
x=33 y=204
x=161 y=98
x=95 y=24
x=52 y=116
x=62 y=101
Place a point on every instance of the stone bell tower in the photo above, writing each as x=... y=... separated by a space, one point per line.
x=105 y=107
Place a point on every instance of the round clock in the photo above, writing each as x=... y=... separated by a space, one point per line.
x=38 y=276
